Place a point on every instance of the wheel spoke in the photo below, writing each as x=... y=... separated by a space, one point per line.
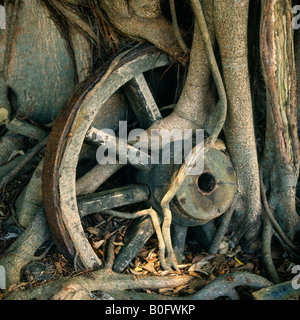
x=139 y=233
x=142 y=102
x=93 y=179
x=110 y=199
x=179 y=237
x=120 y=147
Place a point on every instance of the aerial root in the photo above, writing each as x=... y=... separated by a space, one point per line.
x=156 y=225
x=219 y=236
x=225 y=285
x=28 y=158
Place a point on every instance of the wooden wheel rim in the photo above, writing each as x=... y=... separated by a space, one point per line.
x=65 y=142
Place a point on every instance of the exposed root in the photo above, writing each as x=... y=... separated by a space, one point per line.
x=176 y=184
x=177 y=31
x=231 y=23
x=196 y=98
x=74 y=18
x=219 y=236
x=102 y=280
x=142 y=20
x=23 y=250
x=28 y=158
x=267 y=253
x=116 y=286
x=26 y=129
x=110 y=253
x=30 y=200
x=281 y=154
x=82 y=48
x=10 y=144
x=5 y=109
x=222 y=104
x=282 y=291
x=224 y=285
x=273 y=221
x=162 y=238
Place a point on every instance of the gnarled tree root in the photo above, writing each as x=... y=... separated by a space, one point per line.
x=142 y=20
x=116 y=285
x=225 y=285
x=104 y=280
x=22 y=251
x=30 y=200
x=282 y=291
x=28 y=158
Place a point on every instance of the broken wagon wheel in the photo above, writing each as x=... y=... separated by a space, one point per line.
x=62 y=194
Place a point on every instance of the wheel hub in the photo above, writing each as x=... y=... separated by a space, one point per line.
x=202 y=197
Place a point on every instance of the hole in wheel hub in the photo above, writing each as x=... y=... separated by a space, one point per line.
x=206 y=183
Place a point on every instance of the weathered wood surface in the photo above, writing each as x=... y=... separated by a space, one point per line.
x=26 y=129
x=66 y=139
x=142 y=101
x=110 y=199
x=39 y=68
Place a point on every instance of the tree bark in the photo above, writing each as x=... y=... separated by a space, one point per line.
x=231 y=22
x=281 y=154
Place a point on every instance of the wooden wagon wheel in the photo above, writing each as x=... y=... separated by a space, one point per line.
x=62 y=193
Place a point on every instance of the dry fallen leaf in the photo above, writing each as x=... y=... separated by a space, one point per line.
x=202 y=257
x=182 y=266
x=164 y=290
x=198 y=266
x=194 y=274
x=93 y=230
x=97 y=244
x=16 y=286
x=150 y=266
x=163 y=272
x=180 y=288
x=138 y=271
x=59 y=267
x=224 y=247
x=117 y=249
x=118 y=243
x=220 y=271
x=211 y=278
x=143 y=253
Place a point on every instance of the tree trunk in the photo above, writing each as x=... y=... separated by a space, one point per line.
x=231 y=22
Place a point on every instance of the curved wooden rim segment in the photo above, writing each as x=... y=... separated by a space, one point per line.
x=58 y=140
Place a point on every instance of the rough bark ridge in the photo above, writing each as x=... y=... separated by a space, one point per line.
x=281 y=157
x=231 y=22
x=142 y=20
x=48 y=60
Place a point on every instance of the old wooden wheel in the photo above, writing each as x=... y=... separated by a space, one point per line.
x=68 y=197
